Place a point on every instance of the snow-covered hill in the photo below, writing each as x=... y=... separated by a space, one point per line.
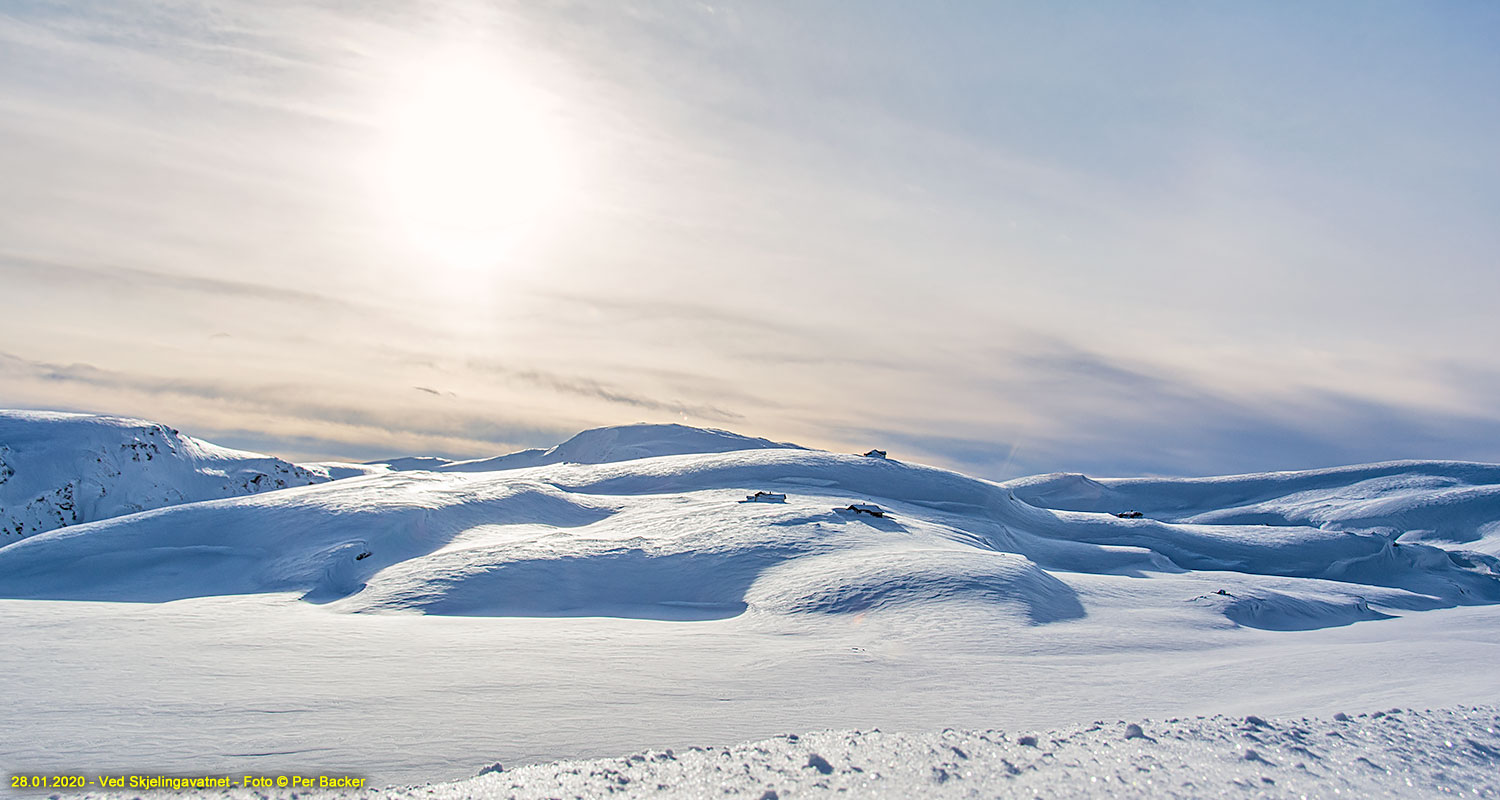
x=668 y=537
x=60 y=469
x=602 y=446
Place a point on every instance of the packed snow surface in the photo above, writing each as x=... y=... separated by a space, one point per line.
x=60 y=469
x=617 y=593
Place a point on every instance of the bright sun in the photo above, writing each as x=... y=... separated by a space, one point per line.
x=472 y=163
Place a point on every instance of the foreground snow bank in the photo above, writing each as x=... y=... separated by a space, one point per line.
x=1385 y=754
x=1396 y=753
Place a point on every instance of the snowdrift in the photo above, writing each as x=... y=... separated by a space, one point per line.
x=61 y=469
x=597 y=532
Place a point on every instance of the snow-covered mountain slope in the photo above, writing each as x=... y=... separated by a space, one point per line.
x=1397 y=753
x=1450 y=504
x=61 y=469
x=668 y=538
x=601 y=446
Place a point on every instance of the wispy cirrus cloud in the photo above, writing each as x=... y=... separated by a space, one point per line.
x=17 y=267
x=597 y=390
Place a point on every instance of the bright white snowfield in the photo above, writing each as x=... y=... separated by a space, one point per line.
x=618 y=594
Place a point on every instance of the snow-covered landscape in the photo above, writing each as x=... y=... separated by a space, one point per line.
x=626 y=596
x=769 y=400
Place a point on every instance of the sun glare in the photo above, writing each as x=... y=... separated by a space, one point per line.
x=473 y=162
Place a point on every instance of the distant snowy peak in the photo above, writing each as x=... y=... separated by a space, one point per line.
x=605 y=446
x=59 y=469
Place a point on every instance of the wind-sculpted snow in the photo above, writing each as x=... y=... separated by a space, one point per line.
x=1291 y=611
x=64 y=469
x=323 y=541
x=668 y=538
x=873 y=578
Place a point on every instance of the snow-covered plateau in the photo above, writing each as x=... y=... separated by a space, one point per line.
x=626 y=591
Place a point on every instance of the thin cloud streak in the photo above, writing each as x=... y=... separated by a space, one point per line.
x=590 y=388
x=134 y=279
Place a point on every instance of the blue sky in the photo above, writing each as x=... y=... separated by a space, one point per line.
x=1008 y=238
